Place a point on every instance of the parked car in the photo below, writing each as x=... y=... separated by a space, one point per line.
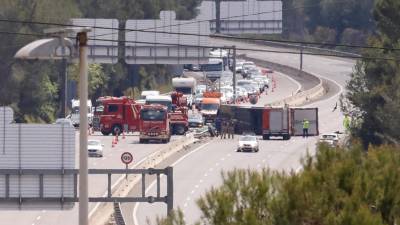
x=331 y=139
x=65 y=121
x=248 y=142
x=95 y=148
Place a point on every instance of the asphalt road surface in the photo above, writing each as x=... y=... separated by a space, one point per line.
x=198 y=172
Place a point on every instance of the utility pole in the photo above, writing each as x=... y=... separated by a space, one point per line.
x=83 y=127
x=217 y=16
x=234 y=73
x=64 y=80
x=301 y=58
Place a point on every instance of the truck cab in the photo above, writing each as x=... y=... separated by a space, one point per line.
x=186 y=86
x=177 y=110
x=154 y=124
x=113 y=115
x=210 y=106
x=74 y=115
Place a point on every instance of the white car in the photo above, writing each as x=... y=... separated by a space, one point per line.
x=331 y=139
x=248 y=143
x=95 y=148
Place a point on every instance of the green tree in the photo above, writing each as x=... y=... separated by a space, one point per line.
x=30 y=87
x=373 y=88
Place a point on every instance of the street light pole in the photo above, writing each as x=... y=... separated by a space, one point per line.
x=83 y=127
x=234 y=73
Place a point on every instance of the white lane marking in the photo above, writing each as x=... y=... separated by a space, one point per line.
x=33 y=223
x=185 y=205
x=211 y=169
x=229 y=154
x=216 y=164
x=134 y=212
x=263 y=160
x=38 y=218
x=188 y=199
x=205 y=174
x=222 y=159
x=258 y=165
x=332 y=97
x=201 y=181
x=43 y=211
x=192 y=192
x=196 y=186
x=114 y=185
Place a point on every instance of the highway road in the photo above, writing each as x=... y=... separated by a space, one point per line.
x=111 y=160
x=198 y=172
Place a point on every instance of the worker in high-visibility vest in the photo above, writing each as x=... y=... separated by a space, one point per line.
x=306 y=125
x=346 y=123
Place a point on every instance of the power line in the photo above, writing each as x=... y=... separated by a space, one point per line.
x=222 y=47
x=230 y=17
x=205 y=35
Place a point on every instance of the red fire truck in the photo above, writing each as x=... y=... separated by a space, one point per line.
x=113 y=115
x=177 y=110
x=154 y=124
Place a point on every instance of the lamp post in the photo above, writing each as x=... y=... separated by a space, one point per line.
x=46 y=49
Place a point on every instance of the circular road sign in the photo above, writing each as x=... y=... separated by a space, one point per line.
x=126 y=157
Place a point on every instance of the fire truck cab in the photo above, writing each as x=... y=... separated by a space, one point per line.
x=115 y=114
x=154 y=124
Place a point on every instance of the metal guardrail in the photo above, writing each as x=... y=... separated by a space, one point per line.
x=41 y=173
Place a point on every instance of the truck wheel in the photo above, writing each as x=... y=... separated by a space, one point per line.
x=286 y=137
x=105 y=133
x=265 y=137
x=116 y=129
x=179 y=129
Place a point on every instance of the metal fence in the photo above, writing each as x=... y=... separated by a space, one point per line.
x=41 y=174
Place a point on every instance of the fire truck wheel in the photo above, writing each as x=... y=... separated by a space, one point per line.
x=105 y=133
x=117 y=129
x=265 y=137
x=179 y=129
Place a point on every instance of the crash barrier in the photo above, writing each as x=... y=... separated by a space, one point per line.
x=301 y=97
x=122 y=187
x=250 y=119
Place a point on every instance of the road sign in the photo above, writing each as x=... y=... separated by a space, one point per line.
x=166 y=45
x=102 y=43
x=126 y=158
x=244 y=16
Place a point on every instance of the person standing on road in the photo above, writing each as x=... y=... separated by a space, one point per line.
x=231 y=129
x=306 y=125
x=223 y=128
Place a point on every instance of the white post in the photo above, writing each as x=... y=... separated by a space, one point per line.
x=83 y=128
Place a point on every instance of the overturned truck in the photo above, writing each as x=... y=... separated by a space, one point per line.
x=270 y=121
